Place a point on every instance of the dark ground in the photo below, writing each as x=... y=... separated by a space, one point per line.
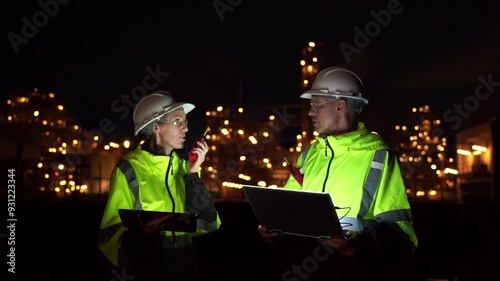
x=58 y=241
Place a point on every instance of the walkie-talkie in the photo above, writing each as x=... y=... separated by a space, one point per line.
x=294 y=171
x=192 y=154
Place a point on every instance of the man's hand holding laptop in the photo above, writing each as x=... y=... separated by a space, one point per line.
x=353 y=243
x=266 y=235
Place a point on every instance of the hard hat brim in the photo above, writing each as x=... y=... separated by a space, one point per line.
x=310 y=93
x=187 y=107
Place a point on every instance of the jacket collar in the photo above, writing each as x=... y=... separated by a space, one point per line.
x=344 y=142
x=157 y=163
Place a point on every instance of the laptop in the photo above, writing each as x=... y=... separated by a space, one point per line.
x=294 y=212
x=134 y=219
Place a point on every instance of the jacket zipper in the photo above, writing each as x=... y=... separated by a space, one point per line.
x=170 y=194
x=329 y=163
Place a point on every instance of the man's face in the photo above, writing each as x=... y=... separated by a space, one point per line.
x=324 y=114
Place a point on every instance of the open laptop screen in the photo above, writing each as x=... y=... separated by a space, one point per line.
x=302 y=213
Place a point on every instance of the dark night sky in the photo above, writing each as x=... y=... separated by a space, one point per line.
x=89 y=53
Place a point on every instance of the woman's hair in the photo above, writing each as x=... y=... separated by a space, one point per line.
x=151 y=146
x=149 y=138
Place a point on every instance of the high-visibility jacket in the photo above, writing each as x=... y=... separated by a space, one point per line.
x=362 y=175
x=161 y=183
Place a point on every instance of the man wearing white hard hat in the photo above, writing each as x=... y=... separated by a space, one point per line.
x=153 y=177
x=362 y=174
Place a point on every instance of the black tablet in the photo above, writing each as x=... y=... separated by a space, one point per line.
x=135 y=219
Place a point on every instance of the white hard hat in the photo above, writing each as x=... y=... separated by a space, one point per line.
x=154 y=106
x=337 y=82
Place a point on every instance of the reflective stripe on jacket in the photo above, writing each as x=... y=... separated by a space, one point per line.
x=367 y=191
x=151 y=173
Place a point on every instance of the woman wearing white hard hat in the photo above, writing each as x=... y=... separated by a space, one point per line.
x=153 y=177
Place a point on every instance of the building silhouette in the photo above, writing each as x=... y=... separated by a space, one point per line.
x=476 y=163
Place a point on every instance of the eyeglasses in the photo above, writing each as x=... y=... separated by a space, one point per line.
x=318 y=104
x=178 y=122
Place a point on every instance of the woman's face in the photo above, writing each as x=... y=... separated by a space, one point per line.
x=171 y=131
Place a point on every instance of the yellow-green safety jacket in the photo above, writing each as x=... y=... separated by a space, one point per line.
x=184 y=193
x=363 y=177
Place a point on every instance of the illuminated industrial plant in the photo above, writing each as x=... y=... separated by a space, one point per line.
x=423 y=150
x=60 y=158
